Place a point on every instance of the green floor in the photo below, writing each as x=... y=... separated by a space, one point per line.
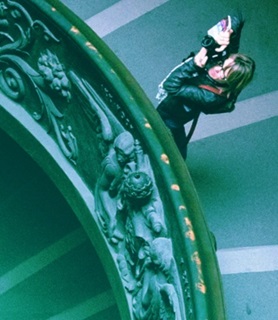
x=251 y=296
x=236 y=176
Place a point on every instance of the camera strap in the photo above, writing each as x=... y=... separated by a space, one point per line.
x=192 y=128
x=213 y=89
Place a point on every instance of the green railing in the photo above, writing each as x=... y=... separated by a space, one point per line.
x=79 y=113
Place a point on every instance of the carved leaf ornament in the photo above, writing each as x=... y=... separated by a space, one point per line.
x=18 y=32
x=129 y=210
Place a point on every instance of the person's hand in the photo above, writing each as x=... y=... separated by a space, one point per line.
x=223 y=39
x=201 y=58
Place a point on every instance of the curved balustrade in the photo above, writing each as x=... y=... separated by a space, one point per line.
x=71 y=104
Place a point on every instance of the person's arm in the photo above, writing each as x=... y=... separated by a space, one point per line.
x=200 y=99
x=232 y=33
x=201 y=58
x=192 y=67
x=181 y=75
x=237 y=25
x=223 y=40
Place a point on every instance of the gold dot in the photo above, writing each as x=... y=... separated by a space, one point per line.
x=175 y=187
x=89 y=45
x=191 y=235
x=74 y=29
x=201 y=287
x=147 y=125
x=187 y=222
x=165 y=158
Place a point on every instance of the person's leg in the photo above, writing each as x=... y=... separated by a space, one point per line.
x=172 y=114
x=180 y=139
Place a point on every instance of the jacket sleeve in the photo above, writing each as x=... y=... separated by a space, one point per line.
x=202 y=100
x=180 y=75
x=237 y=25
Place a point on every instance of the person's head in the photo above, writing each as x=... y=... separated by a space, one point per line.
x=236 y=72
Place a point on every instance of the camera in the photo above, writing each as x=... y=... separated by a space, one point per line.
x=210 y=44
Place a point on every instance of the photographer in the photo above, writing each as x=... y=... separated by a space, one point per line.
x=207 y=82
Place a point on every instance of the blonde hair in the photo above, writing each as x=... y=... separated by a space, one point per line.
x=241 y=72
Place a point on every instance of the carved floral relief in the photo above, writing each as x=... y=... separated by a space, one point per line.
x=46 y=78
x=131 y=216
x=128 y=206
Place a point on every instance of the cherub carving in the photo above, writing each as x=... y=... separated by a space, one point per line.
x=115 y=167
x=156 y=297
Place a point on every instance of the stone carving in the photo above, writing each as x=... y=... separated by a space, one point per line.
x=53 y=74
x=187 y=294
x=18 y=34
x=156 y=296
x=115 y=167
x=131 y=215
x=128 y=207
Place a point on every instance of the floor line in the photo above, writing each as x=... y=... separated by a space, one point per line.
x=88 y=308
x=248 y=259
x=247 y=112
x=33 y=265
x=120 y=14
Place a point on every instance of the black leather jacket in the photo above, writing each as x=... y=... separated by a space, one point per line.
x=185 y=99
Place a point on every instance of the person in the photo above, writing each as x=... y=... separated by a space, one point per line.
x=208 y=82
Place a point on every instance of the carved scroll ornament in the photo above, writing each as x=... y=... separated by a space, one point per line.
x=128 y=207
x=45 y=80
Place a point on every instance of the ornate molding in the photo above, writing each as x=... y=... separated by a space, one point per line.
x=92 y=124
x=43 y=77
x=129 y=210
x=130 y=214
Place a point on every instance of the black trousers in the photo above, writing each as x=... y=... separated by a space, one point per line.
x=175 y=117
x=180 y=138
